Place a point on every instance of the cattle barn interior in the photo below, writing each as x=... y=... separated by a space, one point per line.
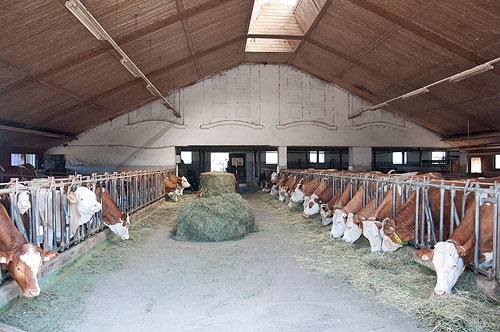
x=363 y=134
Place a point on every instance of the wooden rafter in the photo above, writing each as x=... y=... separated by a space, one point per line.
x=189 y=40
x=121 y=41
x=247 y=26
x=311 y=28
x=36 y=132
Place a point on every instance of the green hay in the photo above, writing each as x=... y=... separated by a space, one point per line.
x=216 y=184
x=392 y=278
x=213 y=219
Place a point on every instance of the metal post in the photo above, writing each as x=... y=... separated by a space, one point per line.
x=496 y=249
x=452 y=209
x=476 y=227
x=417 y=199
x=441 y=211
x=394 y=199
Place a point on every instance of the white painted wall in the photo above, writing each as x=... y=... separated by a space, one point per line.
x=251 y=104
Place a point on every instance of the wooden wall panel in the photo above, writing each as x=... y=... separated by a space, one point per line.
x=168 y=43
x=470 y=24
x=311 y=56
x=219 y=24
x=350 y=29
x=7 y=76
x=222 y=59
x=260 y=57
x=402 y=8
x=305 y=13
x=175 y=78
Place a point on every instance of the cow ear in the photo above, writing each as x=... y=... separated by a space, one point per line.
x=72 y=198
x=48 y=255
x=5 y=257
x=460 y=251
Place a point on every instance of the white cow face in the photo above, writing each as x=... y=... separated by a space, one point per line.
x=185 y=183
x=388 y=244
x=371 y=232
x=297 y=196
x=23 y=202
x=352 y=231
x=282 y=195
x=338 y=224
x=274 y=177
x=273 y=191
x=87 y=203
x=449 y=266
x=121 y=228
x=324 y=213
x=312 y=207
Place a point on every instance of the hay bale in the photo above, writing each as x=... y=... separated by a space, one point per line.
x=213 y=219
x=216 y=184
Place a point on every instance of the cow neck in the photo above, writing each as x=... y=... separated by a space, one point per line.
x=10 y=237
x=404 y=220
x=310 y=187
x=355 y=203
x=110 y=212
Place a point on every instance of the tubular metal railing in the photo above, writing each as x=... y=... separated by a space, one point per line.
x=426 y=235
x=48 y=219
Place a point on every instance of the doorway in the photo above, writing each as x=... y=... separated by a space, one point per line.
x=219 y=161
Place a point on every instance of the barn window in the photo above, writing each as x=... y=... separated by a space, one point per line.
x=31 y=159
x=497 y=161
x=475 y=165
x=438 y=156
x=272 y=157
x=399 y=158
x=16 y=159
x=187 y=157
x=317 y=156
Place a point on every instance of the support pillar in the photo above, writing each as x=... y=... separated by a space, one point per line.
x=463 y=160
x=282 y=158
x=360 y=158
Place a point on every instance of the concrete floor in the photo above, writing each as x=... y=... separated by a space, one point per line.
x=249 y=285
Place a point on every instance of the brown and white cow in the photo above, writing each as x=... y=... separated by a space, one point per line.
x=340 y=202
x=181 y=181
x=282 y=193
x=451 y=256
x=275 y=188
x=304 y=190
x=117 y=221
x=171 y=189
x=313 y=205
x=401 y=228
x=23 y=259
x=340 y=214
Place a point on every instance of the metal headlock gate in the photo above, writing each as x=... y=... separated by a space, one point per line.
x=426 y=235
x=49 y=197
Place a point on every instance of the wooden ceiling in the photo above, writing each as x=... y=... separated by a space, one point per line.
x=56 y=78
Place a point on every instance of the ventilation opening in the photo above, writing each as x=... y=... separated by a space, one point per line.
x=271 y=45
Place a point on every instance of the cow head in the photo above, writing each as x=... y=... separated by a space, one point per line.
x=389 y=236
x=121 y=227
x=371 y=230
x=297 y=196
x=312 y=206
x=87 y=203
x=23 y=202
x=24 y=265
x=447 y=260
x=352 y=231
x=185 y=183
x=274 y=190
x=274 y=177
x=338 y=224
x=174 y=195
x=325 y=215
x=282 y=195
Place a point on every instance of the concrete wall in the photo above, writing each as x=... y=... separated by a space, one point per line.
x=267 y=105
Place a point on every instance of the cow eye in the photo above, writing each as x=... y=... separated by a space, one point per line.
x=19 y=269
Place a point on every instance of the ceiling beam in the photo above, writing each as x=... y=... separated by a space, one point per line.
x=247 y=27
x=189 y=40
x=280 y=36
x=105 y=47
x=52 y=134
x=419 y=31
x=309 y=32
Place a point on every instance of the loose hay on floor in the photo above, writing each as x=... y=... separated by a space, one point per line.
x=216 y=184
x=393 y=278
x=213 y=219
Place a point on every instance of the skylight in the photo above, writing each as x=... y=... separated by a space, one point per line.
x=275 y=21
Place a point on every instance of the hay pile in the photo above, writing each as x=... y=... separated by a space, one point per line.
x=213 y=219
x=216 y=184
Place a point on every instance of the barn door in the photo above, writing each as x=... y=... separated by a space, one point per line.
x=236 y=165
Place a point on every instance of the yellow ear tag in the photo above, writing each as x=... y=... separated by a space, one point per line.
x=303 y=194
x=397 y=238
x=329 y=211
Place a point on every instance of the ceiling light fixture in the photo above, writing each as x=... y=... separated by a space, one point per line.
x=415 y=93
x=88 y=21
x=454 y=78
x=86 y=18
x=471 y=72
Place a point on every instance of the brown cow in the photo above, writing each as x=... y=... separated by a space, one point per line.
x=450 y=257
x=313 y=205
x=23 y=259
x=340 y=202
x=171 y=189
x=112 y=217
x=372 y=225
x=401 y=228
